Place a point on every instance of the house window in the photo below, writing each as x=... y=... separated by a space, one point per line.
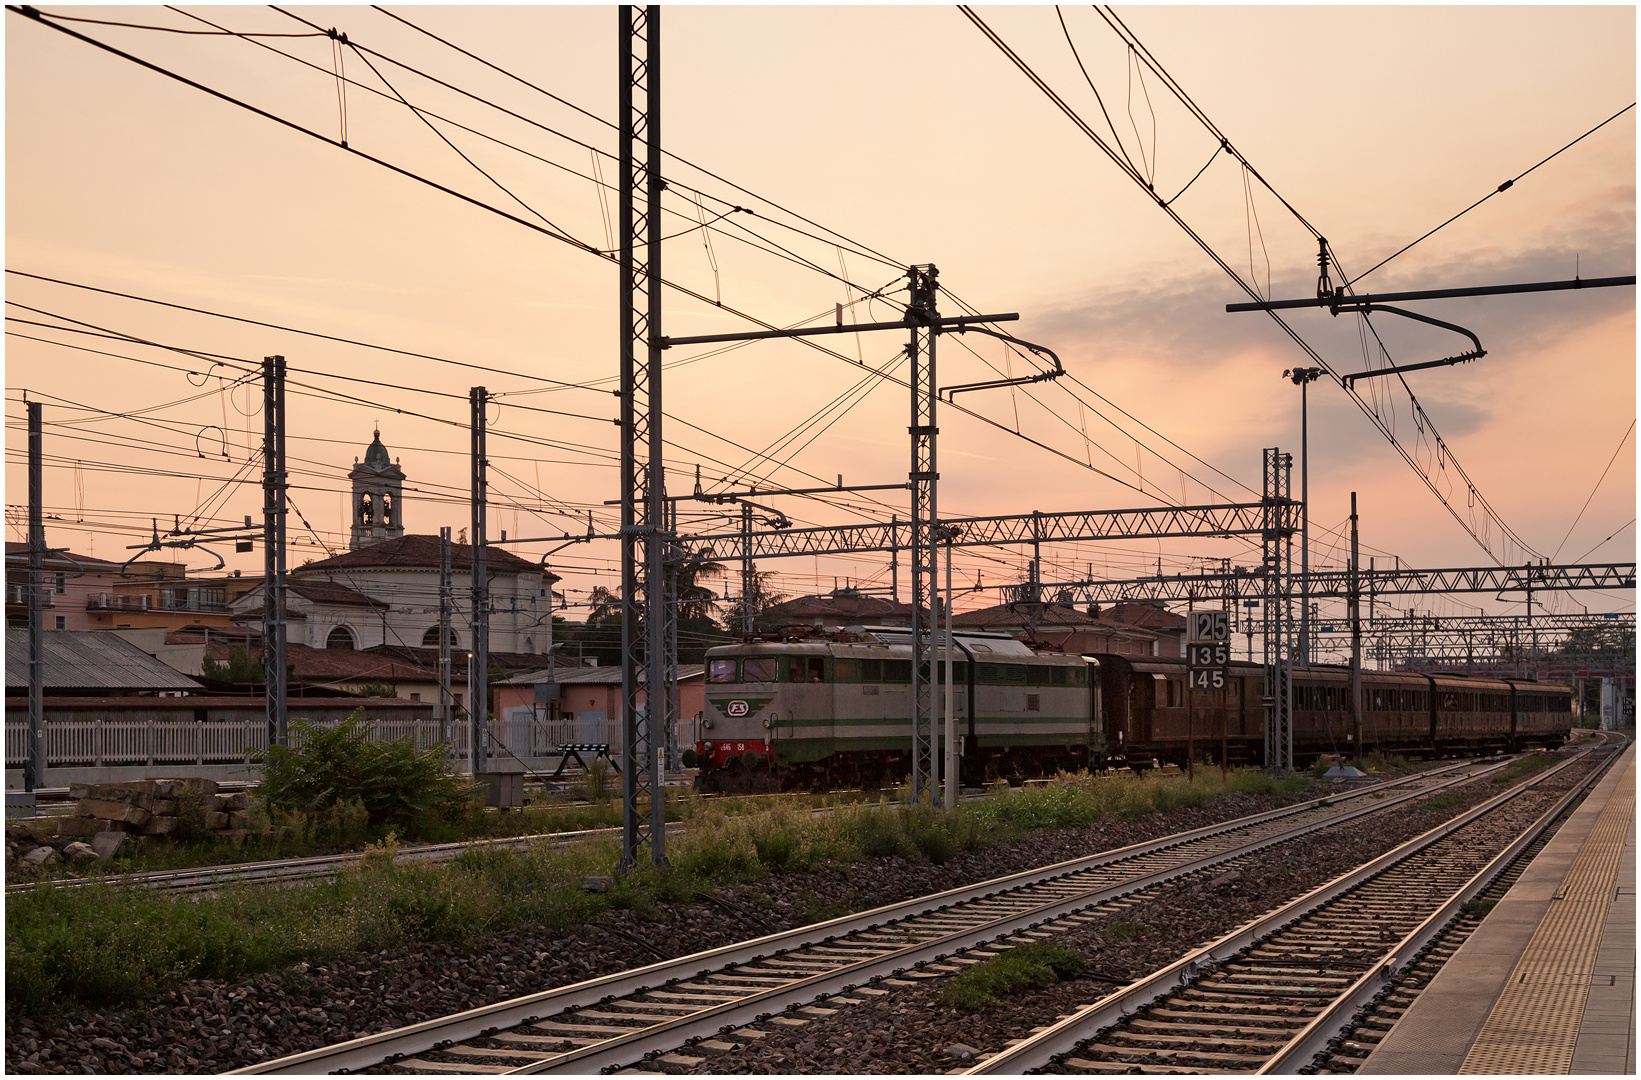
x=61 y=621
x=60 y=584
x=340 y=638
x=430 y=637
x=415 y=697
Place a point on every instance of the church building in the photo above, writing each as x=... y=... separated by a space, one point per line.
x=384 y=590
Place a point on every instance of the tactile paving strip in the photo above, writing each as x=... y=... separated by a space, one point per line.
x=1534 y=1025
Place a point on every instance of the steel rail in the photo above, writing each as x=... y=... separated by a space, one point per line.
x=1038 y=1050
x=373 y=1049
x=1327 y=1025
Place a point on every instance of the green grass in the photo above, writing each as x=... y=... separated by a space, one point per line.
x=1443 y=802
x=105 y=944
x=1126 y=931
x=1523 y=766
x=1024 y=967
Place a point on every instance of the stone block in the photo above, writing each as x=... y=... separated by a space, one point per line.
x=163 y=806
x=80 y=852
x=200 y=785
x=131 y=795
x=42 y=856
x=112 y=811
x=216 y=820
x=239 y=800
x=77 y=826
x=80 y=791
x=160 y=826
x=239 y=819
x=107 y=844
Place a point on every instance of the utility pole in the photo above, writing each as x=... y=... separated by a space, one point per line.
x=1355 y=600
x=273 y=548
x=478 y=687
x=643 y=592
x=34 y=767
x=922 y=282
x=445 y=701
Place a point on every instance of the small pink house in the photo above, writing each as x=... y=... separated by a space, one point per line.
x=587 y=708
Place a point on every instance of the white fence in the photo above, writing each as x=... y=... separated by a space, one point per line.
x=183 y=736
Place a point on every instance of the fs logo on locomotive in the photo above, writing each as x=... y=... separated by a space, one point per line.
x=736 y=708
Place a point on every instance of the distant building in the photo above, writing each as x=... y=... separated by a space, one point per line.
x=841 y=608
x=73 y=585
x=1150 y=615
x=1060 y=625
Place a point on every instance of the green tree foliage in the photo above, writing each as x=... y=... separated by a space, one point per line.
x=698 y=628
x=240 y=668
x=396 y=783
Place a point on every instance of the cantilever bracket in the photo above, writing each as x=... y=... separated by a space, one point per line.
x=949 y=392
x=1366 y=308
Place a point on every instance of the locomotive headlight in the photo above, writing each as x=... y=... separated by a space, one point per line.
x=766 y=721
x=707 y=723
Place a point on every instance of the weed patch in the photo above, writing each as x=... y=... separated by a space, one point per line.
x=1024 y=967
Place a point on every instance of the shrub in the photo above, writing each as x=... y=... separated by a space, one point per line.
x=333 y=770
x=1022 y=968
x=595 y=785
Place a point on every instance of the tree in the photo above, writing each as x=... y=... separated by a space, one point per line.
x=764 y=597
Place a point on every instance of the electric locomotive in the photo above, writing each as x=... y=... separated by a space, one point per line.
x=836 y=712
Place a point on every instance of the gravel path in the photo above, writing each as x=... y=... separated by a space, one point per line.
x=215 y=1025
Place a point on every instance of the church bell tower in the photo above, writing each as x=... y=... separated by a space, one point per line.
x=378 y=488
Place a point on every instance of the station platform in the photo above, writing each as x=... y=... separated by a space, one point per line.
x=1546 y=984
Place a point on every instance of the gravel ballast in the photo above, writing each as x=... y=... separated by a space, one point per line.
x=207 y=1025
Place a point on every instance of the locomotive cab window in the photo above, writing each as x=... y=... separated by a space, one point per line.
x=721 y=671
x=846 y=670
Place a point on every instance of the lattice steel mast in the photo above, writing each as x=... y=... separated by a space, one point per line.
x=921 y=315
x=643 y=594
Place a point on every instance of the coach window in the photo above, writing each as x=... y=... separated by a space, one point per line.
x=721 y=671
x=759 y=669
x=846 y=670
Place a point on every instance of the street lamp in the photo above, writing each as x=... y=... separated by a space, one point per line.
x=1302 y=377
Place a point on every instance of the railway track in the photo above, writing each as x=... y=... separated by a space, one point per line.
x=320 y=867
x=616 y=1019
x=1281 y=993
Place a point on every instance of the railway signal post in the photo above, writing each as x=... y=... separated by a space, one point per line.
x=1208 y=656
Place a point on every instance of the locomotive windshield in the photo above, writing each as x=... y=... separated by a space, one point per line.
x=721 y=671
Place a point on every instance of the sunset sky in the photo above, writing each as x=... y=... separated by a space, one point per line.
x=860 y=139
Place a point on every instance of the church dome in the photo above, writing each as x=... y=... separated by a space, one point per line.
x=376 y=453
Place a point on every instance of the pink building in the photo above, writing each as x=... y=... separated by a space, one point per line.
x=74 y=585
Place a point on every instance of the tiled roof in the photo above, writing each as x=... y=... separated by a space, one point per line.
x=428 y=657
x=1149 y=616
x=90 y=660
x=351 y=665
x=17 y=554
x=1011 y=615
x=419 y=551
x=850 y=608
x=592 y=676
x=329 y=592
